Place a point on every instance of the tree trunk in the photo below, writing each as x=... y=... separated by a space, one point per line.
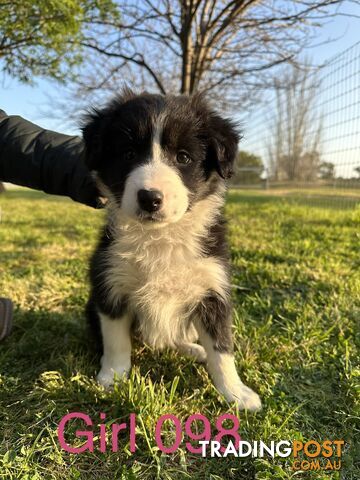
x=186 y=43
x=2 y=187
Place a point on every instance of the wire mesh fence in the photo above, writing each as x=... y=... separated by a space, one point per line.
x=304 y=139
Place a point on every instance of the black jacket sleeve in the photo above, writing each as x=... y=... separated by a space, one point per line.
x=44 y=160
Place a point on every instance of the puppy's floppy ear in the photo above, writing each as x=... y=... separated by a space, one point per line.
x=93 y=125
x=223 y=141
x=96 y=123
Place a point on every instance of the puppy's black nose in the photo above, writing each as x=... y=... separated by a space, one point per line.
x=150 y=200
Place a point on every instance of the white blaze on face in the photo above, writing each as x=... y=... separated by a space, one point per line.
x=156 y=175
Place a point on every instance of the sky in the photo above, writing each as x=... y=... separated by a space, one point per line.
x=33 y=102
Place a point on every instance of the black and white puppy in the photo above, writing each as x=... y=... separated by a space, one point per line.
x=161 y=265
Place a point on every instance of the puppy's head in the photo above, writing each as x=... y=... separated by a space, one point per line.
x=156 y=156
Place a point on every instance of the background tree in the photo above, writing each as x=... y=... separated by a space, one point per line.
x=248 y=169
x=357 y=170
x=296 y=127
x=43 y=38
x=224 y=47
x=327 y=171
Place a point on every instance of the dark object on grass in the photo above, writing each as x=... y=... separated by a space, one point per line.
x=6 y=313
x=2 y=188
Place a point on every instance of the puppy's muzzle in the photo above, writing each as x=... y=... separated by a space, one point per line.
x=150 y=200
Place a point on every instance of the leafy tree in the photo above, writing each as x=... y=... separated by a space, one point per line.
x=43 y=37
x=248 y=168
x=327 y=170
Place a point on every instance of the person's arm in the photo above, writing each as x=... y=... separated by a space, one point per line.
x=44 y=160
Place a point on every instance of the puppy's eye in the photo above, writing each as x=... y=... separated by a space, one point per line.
x=183 y=158
x=129 y=155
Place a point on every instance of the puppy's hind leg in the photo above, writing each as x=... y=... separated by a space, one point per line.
x=116 y=358
x=189 y=347
x=193 y=350
x=214 y=328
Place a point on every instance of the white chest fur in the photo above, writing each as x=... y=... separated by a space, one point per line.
x=164 y=272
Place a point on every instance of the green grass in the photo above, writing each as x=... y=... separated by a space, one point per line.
x=296 y=314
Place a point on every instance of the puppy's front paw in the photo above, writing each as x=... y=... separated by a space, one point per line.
x=106 y=375
x=222 y=368
x=245 y=398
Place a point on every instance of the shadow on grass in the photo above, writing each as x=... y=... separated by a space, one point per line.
x=40 y=341
x=43 y=341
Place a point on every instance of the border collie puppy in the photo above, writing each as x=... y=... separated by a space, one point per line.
x=161 y=265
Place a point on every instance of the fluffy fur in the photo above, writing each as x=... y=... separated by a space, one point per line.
x=161 y=264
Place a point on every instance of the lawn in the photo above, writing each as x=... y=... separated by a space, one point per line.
x=296 y=325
